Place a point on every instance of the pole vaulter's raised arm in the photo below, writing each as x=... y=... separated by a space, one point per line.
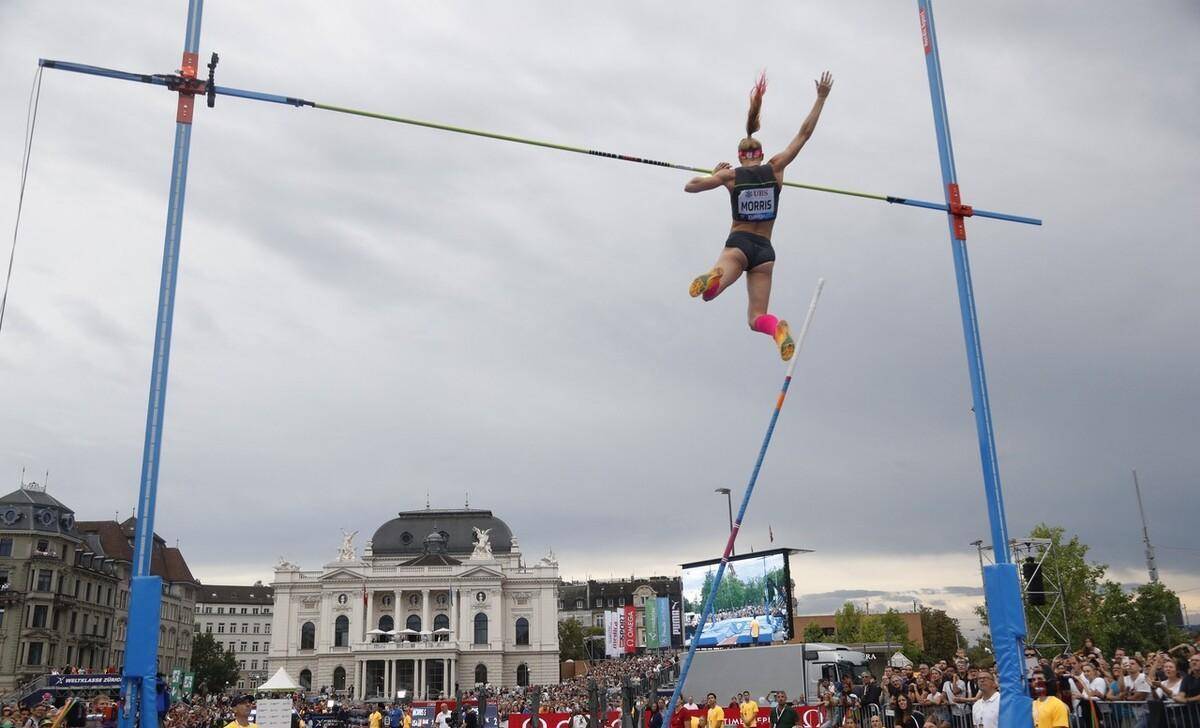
x=780 y=161
x=211 y=89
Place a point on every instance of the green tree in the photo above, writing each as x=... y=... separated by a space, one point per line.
x=871 y=629
x=573 y=639
x=1080 y=582
x=1094 y=606
x=895 y=629
x=942 y=636
x=814 y=633
x=849 y=621
x=214 y=669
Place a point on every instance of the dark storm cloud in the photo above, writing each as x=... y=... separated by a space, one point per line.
x=369 y=312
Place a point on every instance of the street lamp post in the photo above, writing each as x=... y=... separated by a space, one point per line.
x=729 y=502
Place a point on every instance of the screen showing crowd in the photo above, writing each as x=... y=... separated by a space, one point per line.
x=752 y=604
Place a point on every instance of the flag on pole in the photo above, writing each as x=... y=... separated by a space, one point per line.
x=771 y=533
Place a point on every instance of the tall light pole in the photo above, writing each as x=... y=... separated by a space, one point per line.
x=729 y=502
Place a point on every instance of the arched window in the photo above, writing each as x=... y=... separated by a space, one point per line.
x=306 y=679
x=308 y=636
x=386 y=624
x=522 y=631
x=480 y=674
x=414 y=623
x=523 y=675
x=481 y=636
x=441 y=621
x=341 y=631
x=339 y=678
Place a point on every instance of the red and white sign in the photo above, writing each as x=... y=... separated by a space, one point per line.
x=629 y=629
x=809 y=716
x=612 y=719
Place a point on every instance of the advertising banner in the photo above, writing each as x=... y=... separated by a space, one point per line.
x=663 y=613
x=612 y=633
x=650 y=623
x=612 y=719
x=812 y=716
x=808 y=716
x=84 y=682
x=629 y=629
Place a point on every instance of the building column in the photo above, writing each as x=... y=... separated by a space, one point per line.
x=445 y=676
x=363 y=682
x=426 y=612
x=370 y=614
x=452 y=662
x=455 y=614
x=397 y=623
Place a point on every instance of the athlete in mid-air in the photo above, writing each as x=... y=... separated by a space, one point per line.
x=754 y=196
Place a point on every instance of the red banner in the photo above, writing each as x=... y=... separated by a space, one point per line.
x=612 y=719
x=630 y=626
x=809 y=716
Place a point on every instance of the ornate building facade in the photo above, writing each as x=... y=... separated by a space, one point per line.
x=438 y=599
x=64 y=591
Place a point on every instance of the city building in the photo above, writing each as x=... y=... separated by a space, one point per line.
x=64 y=591
x=58 y=592
x=587 y=601
x=176 y=623
x=239 y=619
x=438 y=598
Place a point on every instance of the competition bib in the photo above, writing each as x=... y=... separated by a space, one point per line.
x=756 y=203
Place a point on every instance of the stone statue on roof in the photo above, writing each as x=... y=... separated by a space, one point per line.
x=346 y=551
x=483 y=543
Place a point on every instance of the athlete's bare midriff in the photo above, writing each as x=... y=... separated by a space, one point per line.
x=760 y=227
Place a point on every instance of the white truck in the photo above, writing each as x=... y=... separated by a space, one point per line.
x=796 y=668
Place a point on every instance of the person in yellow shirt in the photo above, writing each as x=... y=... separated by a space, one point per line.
x=407 y=718
x=242 y=705
x=748 y=709
x=716 y=714
x=1048 y=710
x=376 y=717
x=754 y=630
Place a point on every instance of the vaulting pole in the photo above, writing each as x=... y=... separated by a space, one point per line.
x=737 y=524
x=1001 y=587
x=139 y=681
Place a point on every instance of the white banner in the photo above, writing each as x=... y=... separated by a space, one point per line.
x=613 y=644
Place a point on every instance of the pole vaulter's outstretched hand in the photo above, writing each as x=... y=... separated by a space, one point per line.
x=780 y=161
x=824 y=85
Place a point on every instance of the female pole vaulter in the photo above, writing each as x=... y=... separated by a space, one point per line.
x=754 y=197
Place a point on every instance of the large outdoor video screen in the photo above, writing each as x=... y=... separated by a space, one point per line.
x=753 y=605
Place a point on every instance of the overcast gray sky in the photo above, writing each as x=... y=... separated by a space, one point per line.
x=369 y=312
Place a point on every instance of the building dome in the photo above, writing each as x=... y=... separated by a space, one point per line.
x=411 y=532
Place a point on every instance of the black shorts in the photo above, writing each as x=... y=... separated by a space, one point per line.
x=757 y=249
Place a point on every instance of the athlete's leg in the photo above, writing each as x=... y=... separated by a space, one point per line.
x=758 y=290
x=725 y=271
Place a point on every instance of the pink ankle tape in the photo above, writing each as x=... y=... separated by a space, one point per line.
x=765 y=324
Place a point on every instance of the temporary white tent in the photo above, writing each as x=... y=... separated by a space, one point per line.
x=279 y=682
x=899 y=660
